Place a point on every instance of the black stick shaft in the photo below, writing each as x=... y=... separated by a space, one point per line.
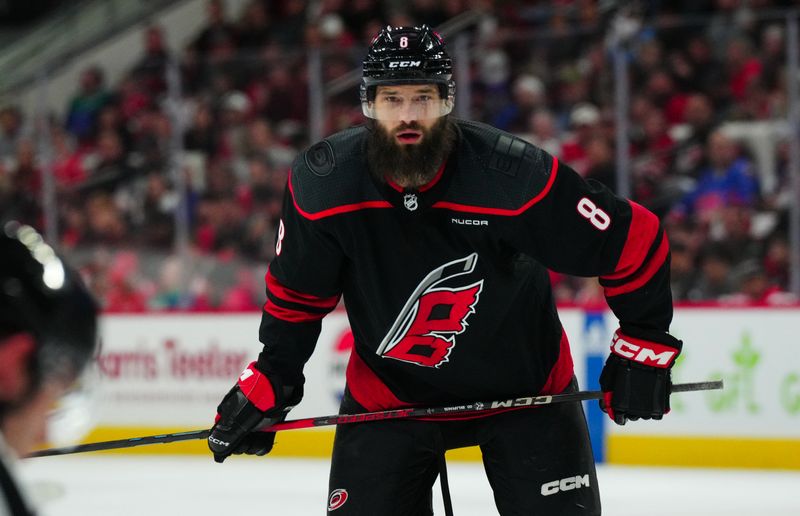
x=341 y=419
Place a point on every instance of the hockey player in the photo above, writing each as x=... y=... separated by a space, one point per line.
x=47 y=336
x=438 y=234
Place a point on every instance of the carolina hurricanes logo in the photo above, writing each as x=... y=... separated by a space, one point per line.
x=424 y=332
x=337 y=499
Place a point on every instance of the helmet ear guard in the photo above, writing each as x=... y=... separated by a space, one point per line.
x=407 y=55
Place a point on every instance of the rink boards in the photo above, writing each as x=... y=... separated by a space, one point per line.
x=163 y=373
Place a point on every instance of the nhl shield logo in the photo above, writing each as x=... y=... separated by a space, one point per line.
x=410 y=201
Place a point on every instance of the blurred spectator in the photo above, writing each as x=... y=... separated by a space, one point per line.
x=85 y=106
x=728 y=179
x=74 y=226
x=123 y=293
x=600 y=164
x=110 y=119
x=773 y=56
x=706 y=73
x=26 y=184
x=111 y=167
x=242 y=295
x=69 y=165
x=584 y=121
x=683 y=273
x=733 y=233
x=253 y=28
x=150 y=70
x=132 y=99
x=217 y=27
x=171 y=291
x=527 y=96
x=754 y=287
x=715 y=279
x=157 y=226
x=11 y=130
x=287 y=98
x=152 y=138
x=743 y=67
x=260 y=141
x=777 y=261
x=202 y=133
x=288 y=31
x=698 y=116
x=233 y=116
x=106 y=223
x=543 y=132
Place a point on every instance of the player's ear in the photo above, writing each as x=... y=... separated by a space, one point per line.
x=15 y=355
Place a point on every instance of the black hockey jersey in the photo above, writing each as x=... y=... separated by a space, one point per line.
x=446 y=286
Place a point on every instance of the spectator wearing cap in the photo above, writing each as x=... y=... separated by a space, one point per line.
x=584 y=122
x=234 y=114
x=528 y=96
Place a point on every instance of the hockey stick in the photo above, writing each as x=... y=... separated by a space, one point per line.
x=342 y=419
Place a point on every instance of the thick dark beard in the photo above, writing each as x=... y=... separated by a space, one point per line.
x=410 y=165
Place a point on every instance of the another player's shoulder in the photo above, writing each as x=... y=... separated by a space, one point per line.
x=331 y=172
x=502 y=162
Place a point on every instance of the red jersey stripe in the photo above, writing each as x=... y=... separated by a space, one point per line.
x=290 y=315
x=283 y=292
x=644 y=276
x=336 y=210
x=641 y=235
x=501 y=211
x=563 y=370
x=367 y=389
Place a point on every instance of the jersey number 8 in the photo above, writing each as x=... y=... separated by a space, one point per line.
x=593 y=214
x=281 y=234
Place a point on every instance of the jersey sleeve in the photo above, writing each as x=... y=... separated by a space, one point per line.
x=580 y=227
x=303 y=284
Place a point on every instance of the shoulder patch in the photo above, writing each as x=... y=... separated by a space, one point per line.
x=319 y=159
x=507 y=155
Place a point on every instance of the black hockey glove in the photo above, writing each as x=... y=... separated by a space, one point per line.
x=636 y=377
x=256 y=401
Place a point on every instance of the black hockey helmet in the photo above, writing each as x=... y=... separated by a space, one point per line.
x=41 y=295
x=407 y=55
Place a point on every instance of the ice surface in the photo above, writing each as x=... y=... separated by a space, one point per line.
x=122 y=485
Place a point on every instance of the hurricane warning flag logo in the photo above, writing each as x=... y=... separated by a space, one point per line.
x=424 y=332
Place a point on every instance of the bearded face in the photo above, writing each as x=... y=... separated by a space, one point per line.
x=410 y=140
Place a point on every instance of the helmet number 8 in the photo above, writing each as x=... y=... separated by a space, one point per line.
x=593 y=214
x=404 y=42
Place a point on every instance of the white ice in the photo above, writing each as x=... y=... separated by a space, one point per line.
x=122 y=485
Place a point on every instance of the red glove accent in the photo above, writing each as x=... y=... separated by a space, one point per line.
x=643 y=351
x=257 y=388
x=607 y=407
